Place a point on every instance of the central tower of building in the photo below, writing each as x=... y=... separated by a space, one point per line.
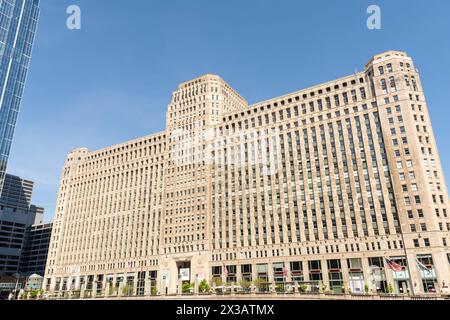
x=196 y=108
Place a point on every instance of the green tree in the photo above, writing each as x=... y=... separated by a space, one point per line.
x=154 y=291
x=217 y=281
x=245 y=284
x=112 y=291
x=259 y=284
x=127 y=290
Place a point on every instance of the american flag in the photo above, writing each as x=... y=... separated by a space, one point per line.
x=225 y=270
x=285 y=272
x=422 y=266
x=393 y=265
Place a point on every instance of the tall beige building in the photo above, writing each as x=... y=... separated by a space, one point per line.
x=321 y=187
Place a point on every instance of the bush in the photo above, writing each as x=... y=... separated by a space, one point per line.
x=279 y=288
x=390 y=289
x=203 y=286
x=186 y=287
x=154 y=291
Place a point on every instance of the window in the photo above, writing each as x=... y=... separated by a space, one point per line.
x=315 y=272
x=407 y=201
x=426 y=242
x=383 y=86
x=416 y=243
x=417 y=199
x=336 y=100
x=296 y=266
x=392 y=84
x=296 y=271
x=363 y=93
x=377 y=261
x=389 y=67
x=246 y=268
x=217 y=271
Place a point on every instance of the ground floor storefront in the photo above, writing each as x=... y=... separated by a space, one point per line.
x=419 y=274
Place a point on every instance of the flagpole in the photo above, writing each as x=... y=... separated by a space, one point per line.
x=407 y=263
x=426 y=284
x=423 y=268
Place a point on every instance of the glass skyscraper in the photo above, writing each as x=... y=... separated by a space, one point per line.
x=18 y=21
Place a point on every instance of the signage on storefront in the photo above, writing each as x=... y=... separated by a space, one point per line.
x=400 y=275
x=165 y=278
x=184 y=274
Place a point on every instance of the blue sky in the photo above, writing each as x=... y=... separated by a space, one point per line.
x=111 y=81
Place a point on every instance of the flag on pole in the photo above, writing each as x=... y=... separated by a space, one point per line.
x=225 y=270
x=393 y=265
x=285 y=272
x=422 y=266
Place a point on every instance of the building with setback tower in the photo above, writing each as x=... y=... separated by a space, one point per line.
x=323 y=186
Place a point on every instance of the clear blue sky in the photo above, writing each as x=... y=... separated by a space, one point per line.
x=112 y=80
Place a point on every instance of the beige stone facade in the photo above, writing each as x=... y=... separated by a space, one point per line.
x=316 y=187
